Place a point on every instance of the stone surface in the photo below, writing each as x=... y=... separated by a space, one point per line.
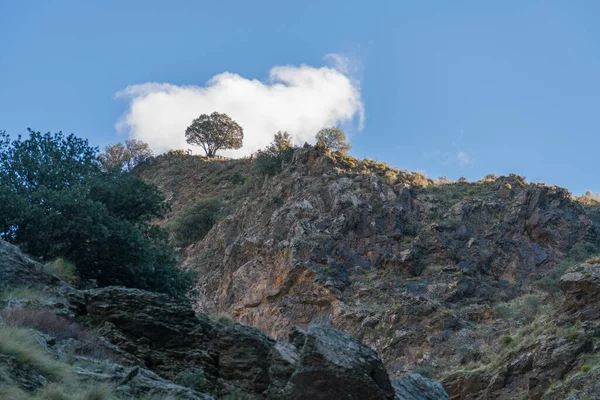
x=334 y=365
x=581 y=286
x=417 y=387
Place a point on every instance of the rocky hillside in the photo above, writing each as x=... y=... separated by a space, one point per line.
x=57 y=342
x=452 y=280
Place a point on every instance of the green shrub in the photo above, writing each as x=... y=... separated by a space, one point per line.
x=64 y=269
x=506 y=340
x=582 y=251
x=425 y=370
x=194 y=379
x=194 y=221
x=236 y=178
x=270 y=161
x=549 y=282
x=586 y=368
x=224 y=319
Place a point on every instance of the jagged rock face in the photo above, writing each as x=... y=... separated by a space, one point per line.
x=18 y=270
x=581 y=287
x=169 y=338
x=417 y=387
x=404 y=268
x=553 y=366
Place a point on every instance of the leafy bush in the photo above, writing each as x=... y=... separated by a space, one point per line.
x=195 y=221
x=586 y=368
x=270 y=161
x=236 y=178
x=506 y=340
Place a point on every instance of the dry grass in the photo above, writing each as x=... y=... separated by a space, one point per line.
x=25 y=292
x=64 y=269
x=593 y=260
x=22 y=344
x=43 y=321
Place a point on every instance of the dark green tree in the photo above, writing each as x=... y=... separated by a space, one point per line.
x=57 y=201
x=215 y=132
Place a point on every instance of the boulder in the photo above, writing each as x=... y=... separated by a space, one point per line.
x=417 y=387
x=581 y=287
x=335 y=365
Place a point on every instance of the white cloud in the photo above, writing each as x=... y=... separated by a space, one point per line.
x=464 y=160
x=299 y=99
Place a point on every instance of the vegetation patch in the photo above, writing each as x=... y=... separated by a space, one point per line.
x=193 y=222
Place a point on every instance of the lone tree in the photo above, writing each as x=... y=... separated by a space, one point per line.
x=282 y=140
x=333 y=139
x=214 y=132
x=125 y=156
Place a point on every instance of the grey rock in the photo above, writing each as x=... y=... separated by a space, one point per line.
x=417 y=387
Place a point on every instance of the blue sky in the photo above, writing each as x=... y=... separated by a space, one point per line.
x=449 y=88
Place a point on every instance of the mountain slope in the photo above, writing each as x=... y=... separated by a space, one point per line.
x=419 y=271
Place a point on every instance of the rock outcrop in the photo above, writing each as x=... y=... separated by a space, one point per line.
x=138 y=343
x=581 y=286
x=168 y=337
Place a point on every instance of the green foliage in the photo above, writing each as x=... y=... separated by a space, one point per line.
x=236 y=178
x=549 y=282
x=215 y=132
x=333 y=139
x=193 y=222
x=506 y=340
x=585 y=368
x=125 y=156
x=56 y=201
x=282 y=141
x=582 y=250
x=425 y=370
x=195 y=379
x=224 y=319
x=270 y=160
x=522 y=309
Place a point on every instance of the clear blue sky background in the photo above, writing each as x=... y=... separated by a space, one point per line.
x=514 y=85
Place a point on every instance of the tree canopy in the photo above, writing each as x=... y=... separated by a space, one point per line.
x=125 y=156
x=215 y=132
x=57 y=201
x=333 y=139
